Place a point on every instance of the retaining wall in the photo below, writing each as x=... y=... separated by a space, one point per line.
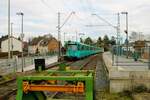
x=125 y=80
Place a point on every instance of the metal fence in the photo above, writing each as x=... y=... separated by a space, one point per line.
x=133 y=55
x=15 y=64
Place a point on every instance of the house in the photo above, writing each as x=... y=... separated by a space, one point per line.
x=43 y=45
x=1 y=39
x=34 y=44
x=146 y=50
x=48 y=45
x=15 y=44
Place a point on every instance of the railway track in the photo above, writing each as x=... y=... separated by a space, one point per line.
x=8 y=88
x=85 y=64
x=101 y=79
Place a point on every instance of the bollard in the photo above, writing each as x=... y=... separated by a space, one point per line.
x=39 y=64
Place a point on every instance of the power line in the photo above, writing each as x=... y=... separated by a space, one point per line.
x=72 y=13
x=43 y=2
x=104 y=20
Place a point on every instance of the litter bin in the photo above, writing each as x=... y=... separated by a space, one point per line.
x=39 y=64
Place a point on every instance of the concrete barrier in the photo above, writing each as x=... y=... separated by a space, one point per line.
x=125 y=79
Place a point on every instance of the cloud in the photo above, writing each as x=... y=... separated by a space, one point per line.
x=40 y=16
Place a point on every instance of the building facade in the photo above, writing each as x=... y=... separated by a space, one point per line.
x=43 y=45
x=15 y=45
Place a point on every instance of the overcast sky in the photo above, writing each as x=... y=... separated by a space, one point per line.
x=40 y=16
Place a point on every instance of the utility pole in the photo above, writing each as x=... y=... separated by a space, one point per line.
x=8 y=29
x=59 y=54
x=11 y=39
x=127 y=34
x=59 y=29
x=118 y=29
x=149 y=58
x=22 y=36
x=126 y=31
x=118 y=37
x=64 y=37
x=140 y=36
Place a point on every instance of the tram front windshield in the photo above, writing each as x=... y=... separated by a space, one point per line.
x=72 y=47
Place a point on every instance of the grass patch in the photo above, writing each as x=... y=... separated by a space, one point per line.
x=113 y=96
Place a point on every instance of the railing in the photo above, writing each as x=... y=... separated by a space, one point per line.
x=134 y=54
x=15 y=64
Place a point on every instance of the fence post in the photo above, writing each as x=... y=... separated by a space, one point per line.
x=117 y=55
x=14 y=64
x=112 y=55
x=24 y=62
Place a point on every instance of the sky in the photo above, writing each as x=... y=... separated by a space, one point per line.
x=41 y=17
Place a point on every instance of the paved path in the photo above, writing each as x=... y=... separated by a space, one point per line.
x=48 y=61
x=125 y=64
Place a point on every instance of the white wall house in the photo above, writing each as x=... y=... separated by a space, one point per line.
x=15 y=45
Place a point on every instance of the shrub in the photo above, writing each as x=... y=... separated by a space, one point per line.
x=140 y=88
x=126 y=93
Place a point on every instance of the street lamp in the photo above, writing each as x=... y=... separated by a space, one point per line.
x=8 y=29
x=22 y=36
x=11 y=39
x=126 y=31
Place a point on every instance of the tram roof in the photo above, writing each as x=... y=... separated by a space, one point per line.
x=74 y=42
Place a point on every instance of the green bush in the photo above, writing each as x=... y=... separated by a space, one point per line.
x=126 y=93
x=140 y=89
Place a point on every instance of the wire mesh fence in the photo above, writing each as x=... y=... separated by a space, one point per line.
x=131 y=56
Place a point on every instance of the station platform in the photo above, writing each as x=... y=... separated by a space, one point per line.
x=121 y=63
x=125 y=73
x=48 y=61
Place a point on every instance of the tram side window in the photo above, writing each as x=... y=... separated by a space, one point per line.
x=72 y=47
